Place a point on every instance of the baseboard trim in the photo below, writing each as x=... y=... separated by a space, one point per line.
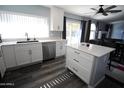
x=99 y=81
x=24 y=65
x=93 y=86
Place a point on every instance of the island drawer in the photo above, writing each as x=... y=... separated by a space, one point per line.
x=79 y=71
x=71 y=53
x=75 y=53
x=83 y=62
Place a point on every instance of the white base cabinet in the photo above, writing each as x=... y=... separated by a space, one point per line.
x=36 y=52
x=28 y=53
x=9 y=56
x=23 y=54
x=87 y=67
x=2 y=64
x=60 y=48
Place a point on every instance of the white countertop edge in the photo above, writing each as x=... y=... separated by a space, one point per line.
x=40 y=41
x=94 y=54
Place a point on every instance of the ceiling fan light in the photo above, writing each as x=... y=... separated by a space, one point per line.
x=99 y=12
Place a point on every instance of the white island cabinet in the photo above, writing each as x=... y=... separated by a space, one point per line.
x=88 y=62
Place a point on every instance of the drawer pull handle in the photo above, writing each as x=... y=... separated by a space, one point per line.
x=75 y=60
x=77 y=52
x=75 y=69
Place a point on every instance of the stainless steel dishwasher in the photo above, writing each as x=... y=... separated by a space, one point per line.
x=49 y=50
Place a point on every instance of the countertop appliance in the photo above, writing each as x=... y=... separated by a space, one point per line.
x=49 y=50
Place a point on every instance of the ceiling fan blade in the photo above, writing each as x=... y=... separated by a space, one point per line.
x=104 y=13
x=94 y=9
x=95 y=14
x=114 y=11
x=110 y=7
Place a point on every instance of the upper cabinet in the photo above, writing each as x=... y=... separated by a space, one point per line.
x=56 y=18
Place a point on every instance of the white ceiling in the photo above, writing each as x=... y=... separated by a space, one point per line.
x=84 y=10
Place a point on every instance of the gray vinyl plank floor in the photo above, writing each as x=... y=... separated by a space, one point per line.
x=51 y=74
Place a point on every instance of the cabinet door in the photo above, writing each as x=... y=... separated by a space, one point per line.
x=63 y=47
x=58 y=52
x=60 y=20
x=60 y=48
x=9 y=56
x=23 y=54
x=2 y=64
x=57 y=19
x=36 y=52
x=53 y=16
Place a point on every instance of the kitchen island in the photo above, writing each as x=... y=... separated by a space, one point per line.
x=88 y=62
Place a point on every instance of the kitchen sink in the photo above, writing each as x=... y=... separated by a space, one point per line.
x=27 y=41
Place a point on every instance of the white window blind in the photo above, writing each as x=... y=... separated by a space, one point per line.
x=15 y=25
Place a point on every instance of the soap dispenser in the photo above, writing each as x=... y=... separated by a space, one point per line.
x=34 y=38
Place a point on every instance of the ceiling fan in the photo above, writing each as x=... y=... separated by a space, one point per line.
x=105 y=11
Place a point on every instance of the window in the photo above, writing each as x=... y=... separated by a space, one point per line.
x=92 y=31
x=15 y=25
x=73 y=28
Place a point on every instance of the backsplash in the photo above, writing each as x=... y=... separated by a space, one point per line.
x=55 y=34
x=52 y=35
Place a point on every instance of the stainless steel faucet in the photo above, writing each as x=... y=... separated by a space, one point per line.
x=26 y=34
